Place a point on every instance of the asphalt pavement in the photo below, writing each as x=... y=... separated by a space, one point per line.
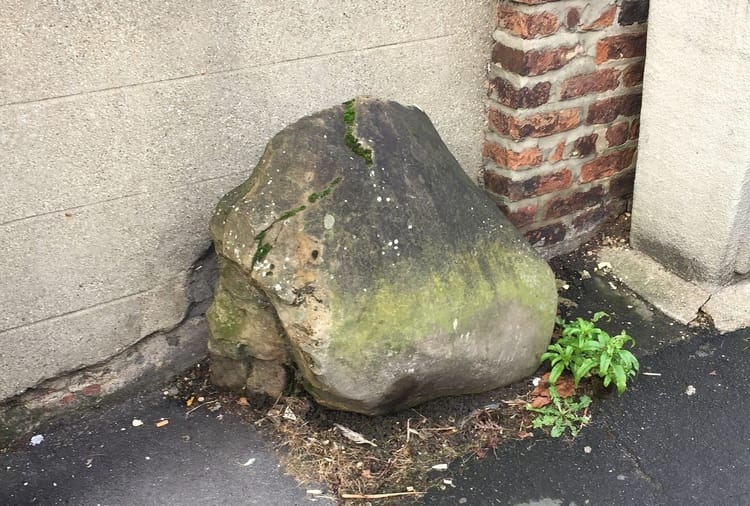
x=679 y=436
x=100 y=458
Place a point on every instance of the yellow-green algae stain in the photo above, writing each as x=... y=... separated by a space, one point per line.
x=475 y=286
x=225 y=322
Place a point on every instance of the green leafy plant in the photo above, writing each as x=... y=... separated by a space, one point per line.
x=563 y=413
x=584 y=349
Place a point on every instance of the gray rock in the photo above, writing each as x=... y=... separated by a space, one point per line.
x=360 y=253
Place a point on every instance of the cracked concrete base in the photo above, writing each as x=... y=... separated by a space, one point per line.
x=153 y=359
x=729 y=307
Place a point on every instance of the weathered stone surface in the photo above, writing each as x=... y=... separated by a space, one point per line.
x=386 y=283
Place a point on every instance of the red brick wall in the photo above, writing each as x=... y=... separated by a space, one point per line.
x=565 y=96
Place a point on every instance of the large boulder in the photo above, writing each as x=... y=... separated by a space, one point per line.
x=360 y=254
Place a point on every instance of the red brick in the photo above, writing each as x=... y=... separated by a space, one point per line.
x=633 y=75
x=626 y=45
x=558 y=153
x=603 y=21
x=622 y=186
x=527 y=26
x=633 y=11
x=607 y=165
x=537 y=125
x=572 y=18
x=563 y=206
x=554 y=182
x=617 y=134
x=532 y=63
x=635 y=129
x=546 y=235
x=498 y=184
x=596 y=82
x=584 y=146
x=527 y=188
x=510 y=159
x=506 y=187
x=519 y=98
x=606 y=111
x=92 y=390
x=535 y=2
x=520 y=217
x=591 y=218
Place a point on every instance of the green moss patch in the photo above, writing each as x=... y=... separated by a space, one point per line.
x=351 y=141
x=315 y=196
x=264 y=247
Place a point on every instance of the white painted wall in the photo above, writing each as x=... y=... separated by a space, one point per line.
x=691 y=208
x=123 y=122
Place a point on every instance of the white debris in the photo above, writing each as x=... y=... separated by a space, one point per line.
x=36 y=440
x=690 y=390
x=328 y=221
x=585 y=274
x=353 y=436
x=536 y=381
x=604 y=265
x=136 y=422
x=440 y=467
x=249 y=462
x=651 y=373
x=586 y=449
x=288 y=414
x=314 y=491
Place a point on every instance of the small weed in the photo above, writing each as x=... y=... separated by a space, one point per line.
x=585 y=350
x=562 y=414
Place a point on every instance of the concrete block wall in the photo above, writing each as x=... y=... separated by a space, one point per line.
x=565 y=96
x=691 y=210
x=123 y=123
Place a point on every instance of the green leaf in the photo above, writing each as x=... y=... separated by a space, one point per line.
x=554 y=375
x=629 y=359
x=585 y=401
x=591 y=346
x=583 y=370
x=557 y=430
x=604 y=362
x=599 y=315
x=620 y=378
